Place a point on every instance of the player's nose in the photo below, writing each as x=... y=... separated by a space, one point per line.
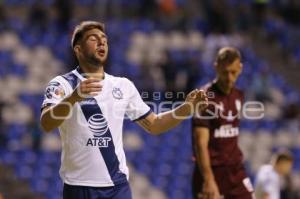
x=101 y=42
x=229 y=78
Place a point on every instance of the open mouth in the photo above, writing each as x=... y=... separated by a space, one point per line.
x=101 y=52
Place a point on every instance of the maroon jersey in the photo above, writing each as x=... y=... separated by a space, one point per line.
x=222 y=118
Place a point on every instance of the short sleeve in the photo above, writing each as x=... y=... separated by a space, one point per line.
x=267 y=185
x=136 y=109
x=54 y=93
x=201 y=120
x=266 y=182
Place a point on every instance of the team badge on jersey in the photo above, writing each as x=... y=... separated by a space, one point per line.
x=117 y=93
x=54 y=91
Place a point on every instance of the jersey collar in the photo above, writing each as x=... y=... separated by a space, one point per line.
x=80 y=74
x=217 y=88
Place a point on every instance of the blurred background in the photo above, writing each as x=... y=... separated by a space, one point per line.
x=161 y=45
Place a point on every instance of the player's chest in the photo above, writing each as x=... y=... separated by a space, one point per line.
x=111 y=100
x=226 y=108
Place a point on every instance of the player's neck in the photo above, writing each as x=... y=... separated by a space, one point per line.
x=88 y=69
x=224 y=89
x=276 y=169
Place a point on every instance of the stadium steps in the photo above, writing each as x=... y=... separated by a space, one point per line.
x=282 y=63
x=11 y=187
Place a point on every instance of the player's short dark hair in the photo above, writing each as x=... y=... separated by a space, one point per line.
x=284 y=156
x=84 y=27
x=227 y=55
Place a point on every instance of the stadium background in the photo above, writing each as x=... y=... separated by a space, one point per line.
x=162 y=45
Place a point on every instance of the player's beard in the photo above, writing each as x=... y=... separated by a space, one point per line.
x=225 y=85
x=228 y=86
x=94 y=60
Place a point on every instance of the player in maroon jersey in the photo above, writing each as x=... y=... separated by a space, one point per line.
x=219 y=171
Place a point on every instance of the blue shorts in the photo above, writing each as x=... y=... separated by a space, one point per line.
x=121 y=191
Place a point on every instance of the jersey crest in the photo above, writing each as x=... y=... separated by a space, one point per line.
x=117 y=93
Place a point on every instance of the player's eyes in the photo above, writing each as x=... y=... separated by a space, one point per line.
x=92 y=38
x=104 y=39
x=234 y=73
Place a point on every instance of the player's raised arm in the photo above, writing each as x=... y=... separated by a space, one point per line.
x=53 y=115
x=162 y=122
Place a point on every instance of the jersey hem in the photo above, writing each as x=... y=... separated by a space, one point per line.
x=94 y=184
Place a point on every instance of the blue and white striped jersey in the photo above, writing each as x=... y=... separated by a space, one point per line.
x=92 y=146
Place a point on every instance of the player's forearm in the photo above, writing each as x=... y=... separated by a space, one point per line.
x=55 y=116
x=170 y=119
x=203 y=162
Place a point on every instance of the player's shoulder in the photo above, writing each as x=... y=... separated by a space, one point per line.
x=69 y=75
x=239 y=92
x=207 y=87
x=266 y=169
x=122 y=81
x=67 y=81
x=57 y=80
x=63 y=77
x=115 y=78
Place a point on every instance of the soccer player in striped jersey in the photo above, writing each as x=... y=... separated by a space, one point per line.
x=88 y=106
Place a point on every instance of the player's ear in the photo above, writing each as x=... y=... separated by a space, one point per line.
x=215 y=65
x=77 y=49
x=241 y=67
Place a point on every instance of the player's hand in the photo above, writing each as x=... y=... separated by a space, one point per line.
x=210 y=190
x=198 y=100
x=87 y=88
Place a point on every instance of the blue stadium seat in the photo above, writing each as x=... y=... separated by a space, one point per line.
x=9 y=158
x=24 y=172
x=39 y=185
x=27 y=157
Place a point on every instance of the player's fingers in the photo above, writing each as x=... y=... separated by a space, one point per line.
x=202 y=94
x=89 y=94
x=88 y=90
x=210 y=195
x=91 y=80
x=194 y=93
x=205 y=101
x=93 y=85
x=205 y=195
x=93 y=93
x=93 y=89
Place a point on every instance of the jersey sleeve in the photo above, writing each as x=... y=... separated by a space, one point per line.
x=266 y=185
x=265 y=182
x=136 y=109
x=201 y=120
x=54 y=93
